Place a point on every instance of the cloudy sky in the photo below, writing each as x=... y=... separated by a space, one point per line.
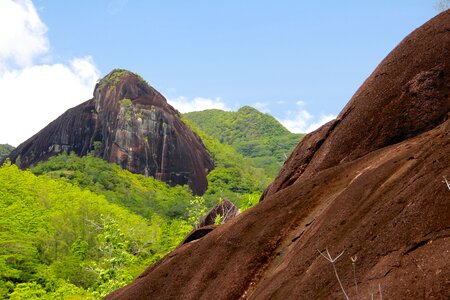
x=300 y=61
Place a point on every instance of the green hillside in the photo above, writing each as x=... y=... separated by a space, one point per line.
x=251 y=133
x=234 y=176
x=5 y=149
x=141 y=195
x=61 y=241
x=78 y=228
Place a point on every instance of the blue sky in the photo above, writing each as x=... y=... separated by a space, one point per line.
x=300 y=61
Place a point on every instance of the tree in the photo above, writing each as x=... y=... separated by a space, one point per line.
x=26 y=291
x=196 y=210
x=113 y=246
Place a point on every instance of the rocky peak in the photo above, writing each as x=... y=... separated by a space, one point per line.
x=122 y=84
x=129 y=123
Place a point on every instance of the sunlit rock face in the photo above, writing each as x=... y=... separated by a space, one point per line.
x=369 y=187
x=129 y=123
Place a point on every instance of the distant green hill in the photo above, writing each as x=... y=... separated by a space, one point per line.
x=5 y=149
x=234 y=176
x=251 y=133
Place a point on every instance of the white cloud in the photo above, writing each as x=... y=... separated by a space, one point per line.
x=85 y=70
x=184 y=105
x=32 y=95
x=22 y=33
x=296 y=122
x=261 y=106
x=322 y=120
x=301 y=121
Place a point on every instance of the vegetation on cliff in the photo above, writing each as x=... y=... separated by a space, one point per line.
x=115 y=75
x=129 y=123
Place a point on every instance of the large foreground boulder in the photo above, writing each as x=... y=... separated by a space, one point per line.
x=369 y=184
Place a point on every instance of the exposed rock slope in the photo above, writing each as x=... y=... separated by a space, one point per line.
x=129 y=123
x=369 y=183
x=406 y=95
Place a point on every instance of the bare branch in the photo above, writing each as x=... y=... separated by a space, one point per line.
x=332 y=261
x=354 y=259
x=327 y=258
x=446 y=182
x=337 y=257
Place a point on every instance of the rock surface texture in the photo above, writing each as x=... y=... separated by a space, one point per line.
x=129 y=123
x=369 y=183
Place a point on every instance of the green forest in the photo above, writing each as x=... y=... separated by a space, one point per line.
x=78 y=227
x=251 y=133
x=74 y=236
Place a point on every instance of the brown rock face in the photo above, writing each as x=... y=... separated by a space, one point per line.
x=129 y=123
x=369 y=183
x=406 y=95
